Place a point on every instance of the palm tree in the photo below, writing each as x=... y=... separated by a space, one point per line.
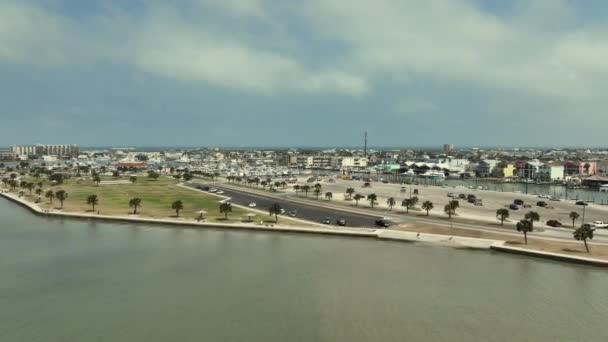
x=450 y=208
x=93 y=201
x=225 y=208
x=583 y=233
x=134 y=203
x=372 y=199
x=414 y=200
x=532 y=216
x=133 y=179
x=296 y=188
x=428 y=206
x=96 y=179
x=5 y=182
x=50 y=195
x=525 y=226
x=275 y=210
x=30 y=186
x=264 y=183
x=574 y=216
x=284 y=184
x=61 y=195
x=407 y=203
x=317 y=192
x=177 y=206
x=318 y=186
x=350 y=192
x=502 y=215
x=329 y=196
x=390 y=202
x=38 y=191
x=306 y=189
x=357 y=198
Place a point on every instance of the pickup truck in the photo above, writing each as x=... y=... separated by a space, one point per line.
x=599 y=224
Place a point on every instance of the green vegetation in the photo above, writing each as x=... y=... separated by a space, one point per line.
x=525 y=226
x=275 y=210
x=502 y=215
x=390 y=202
x=225 y=208
x=584 y=233
x=428 y=206
x=134 y=203
x=574 y=216
x=372 y=198
x=177 y=206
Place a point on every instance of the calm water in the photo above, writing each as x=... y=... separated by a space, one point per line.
x=81 y=281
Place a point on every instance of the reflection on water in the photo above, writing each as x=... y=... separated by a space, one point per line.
x=94 y=281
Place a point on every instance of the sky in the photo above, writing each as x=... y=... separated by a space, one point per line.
x=304 y=73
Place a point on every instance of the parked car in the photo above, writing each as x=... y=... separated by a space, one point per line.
x=471 y=196
x=554 y=223
x=514 y=206
x=451 y=194
x=326 y=220
x=582 y=203
x=252 y=205
x=541 y=204
x=212 y=190
x=518 y=202
x=462 y=196
x=341 y=222
x=599 y=224
x=478 y=203
x=292 y=213
x=382 y=223
x=203 y=187
x=472 y=200
x=219 y=192
x=527 y=206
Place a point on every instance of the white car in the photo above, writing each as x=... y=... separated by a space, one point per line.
x=252 y=204
x=599 y=224
x=219 y=192
x=212 y=190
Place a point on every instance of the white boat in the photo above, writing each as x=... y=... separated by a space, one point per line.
x=604 y=188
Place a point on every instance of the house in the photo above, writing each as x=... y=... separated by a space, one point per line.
x=485 y=167
x=530 y=169
x=584 y=168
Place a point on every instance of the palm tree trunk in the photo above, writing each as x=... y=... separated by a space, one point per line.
x=525 y=237
x=586 y=247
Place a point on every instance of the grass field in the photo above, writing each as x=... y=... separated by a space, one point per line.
x=156 y=197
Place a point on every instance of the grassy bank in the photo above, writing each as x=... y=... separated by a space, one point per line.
x=157 y=197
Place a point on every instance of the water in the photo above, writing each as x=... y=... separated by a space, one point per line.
x=64 y=280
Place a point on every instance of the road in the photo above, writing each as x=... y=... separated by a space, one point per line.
x=304 y=211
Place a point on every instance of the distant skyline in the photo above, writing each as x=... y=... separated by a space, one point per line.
x=304 y=73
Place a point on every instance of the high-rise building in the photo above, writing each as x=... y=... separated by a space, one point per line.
x=447 y=148
x=46 y=150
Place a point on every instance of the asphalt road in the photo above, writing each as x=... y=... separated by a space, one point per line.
x=304 y=212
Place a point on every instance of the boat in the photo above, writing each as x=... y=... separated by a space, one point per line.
x=604 y=188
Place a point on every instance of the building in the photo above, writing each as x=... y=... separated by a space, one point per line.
x=353 y=163
x=529 y=169
x=448 y=148
x=46 y=150
x=551 y=172
x=7 y=155
x=505 y=171
x=486 y=167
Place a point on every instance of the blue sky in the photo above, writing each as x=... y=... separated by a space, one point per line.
x=304 y=73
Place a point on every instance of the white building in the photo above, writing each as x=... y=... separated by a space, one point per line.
x=551 y=172
x=354 y=163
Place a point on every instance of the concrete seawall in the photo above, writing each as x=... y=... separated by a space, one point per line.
x=383 y=234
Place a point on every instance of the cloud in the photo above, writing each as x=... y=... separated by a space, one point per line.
x=163 y=41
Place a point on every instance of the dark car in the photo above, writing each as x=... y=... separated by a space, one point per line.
x=581 y=203
x=470 y=196
x=514 y=206
x=292 y=213
x=326 y=220
x=203 y=187
x=462 y=196
x=382 y=223
x=541 y=204
x=341 y=222
x=518 y=202
x=472 y=200
x=554 y=223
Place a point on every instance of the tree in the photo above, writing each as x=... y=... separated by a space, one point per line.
x=502 y=215
x=306 y=189
x=177 y=206
x=428 y=206
x=50 y=195
x=350 y=192
x=264 y=183
x=390 y=202
x=187 y=176
x=317 y=192
x=134 y=203
x=357 y=198
x=584 y=233
x=97 y=179
x=329 y=196
x=407 y=203
x=225 y=208
x=574 y=216
x=61 y=195
x=38 y=191
x=30 y=186
x=5 y=182
x=275 y=210
x=525 y=226
x=450 y=208
x=296 y=188
x=372 y=199
x=133 y=179
x=153 y=175
x=532 y=216
x=93 y=201
x=414 y=200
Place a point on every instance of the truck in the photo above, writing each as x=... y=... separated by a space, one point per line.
x=599 y=224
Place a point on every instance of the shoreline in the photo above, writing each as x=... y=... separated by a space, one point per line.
x=380 y=234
